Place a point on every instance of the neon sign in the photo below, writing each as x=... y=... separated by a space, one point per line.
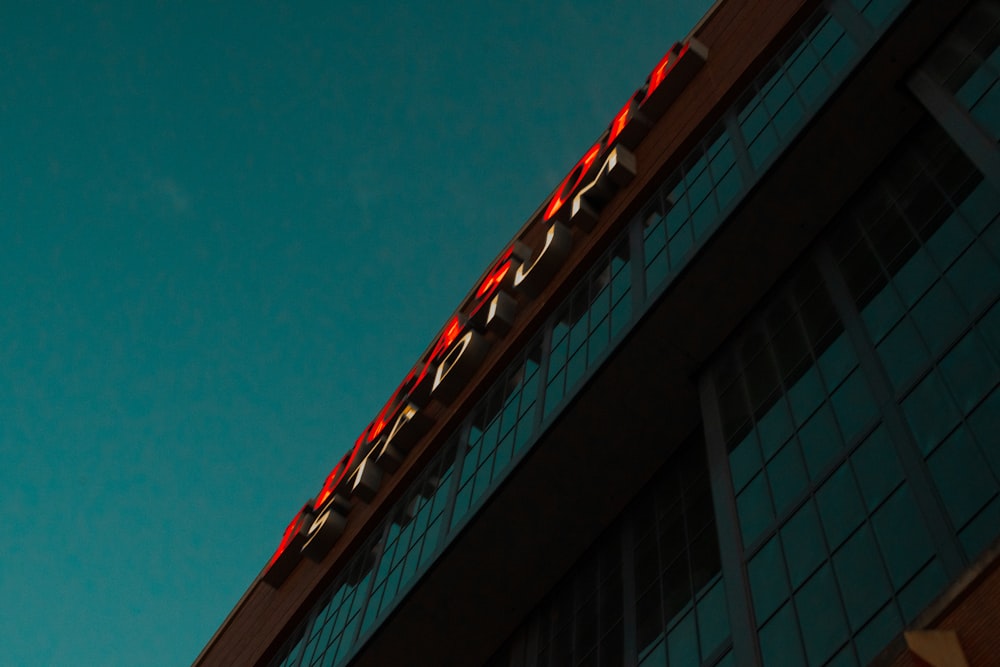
x=517 y=276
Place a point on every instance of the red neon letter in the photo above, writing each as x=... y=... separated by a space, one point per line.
x=451 y=332
x=659 y=73
x=565 y=190
x=498 y=274
x=620 y=121
x=495 y=276
x=339 y=471
x=328 y=485
x=290 y=533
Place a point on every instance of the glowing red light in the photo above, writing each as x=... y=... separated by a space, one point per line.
x=495 y=276
x=328 y=486
x=448 y=337
x=619 y=123
x=564 y=193
x=340 y=471
x=289 y=535
x=660 y=72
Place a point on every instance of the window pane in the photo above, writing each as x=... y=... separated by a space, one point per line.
x=820 y=616
x=803 y=544
x=779 y=640
x=902 y=536
x=863 y=582
x=767 y=579
x=877 y=468
x=930 y=412
x=787 y=476
x=963 y=477
x=840 y=506
x=754 y=507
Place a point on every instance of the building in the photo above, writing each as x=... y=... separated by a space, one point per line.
x=729 y=398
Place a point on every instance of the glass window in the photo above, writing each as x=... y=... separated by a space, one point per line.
x=754 y=507
x=682 y=643
x=863 y=582
x=840 y=506
x=930 y=412
x=780 y=644
x=902 y=537
x=787 y=476
x=767 y=579
x=820 y=441
x=877 y=468
x=744 y=461
x=821 y=619
x=713 y=619
x=939 y=317
x=802 y=540
x=923 y=588
x=903 y=353
x=970 y=371
x=963 y=477
x=876 y=634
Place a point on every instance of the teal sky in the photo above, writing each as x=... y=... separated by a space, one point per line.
x=227 y=230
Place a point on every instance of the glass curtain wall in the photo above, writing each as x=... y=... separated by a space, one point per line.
x=860 y=413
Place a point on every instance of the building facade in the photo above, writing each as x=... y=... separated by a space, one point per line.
x=751 y=417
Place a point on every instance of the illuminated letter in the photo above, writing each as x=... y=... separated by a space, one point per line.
x=659 y=73
x=681 y=63
x=532 y=279
x=629 y=127
x=566 y=188
x=501 y=313
x=408 y=428
x=617 y=170
x=458 y=366
x=340 y=472
x=493 y=289
x=323 y=534
x=367 y=479
x=495 y=276
x=289 y=552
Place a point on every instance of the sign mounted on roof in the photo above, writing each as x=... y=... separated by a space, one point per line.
x=517 y=276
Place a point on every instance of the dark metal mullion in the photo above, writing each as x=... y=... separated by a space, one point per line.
x=637 y=256
x=734 y=574
x=545 y=349
x=379 y=549
x=309 y=625
x=689 y=535
x=629 y=623
x=914 y=469
x=739 y=144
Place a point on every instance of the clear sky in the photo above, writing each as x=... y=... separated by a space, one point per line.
x=227 y=230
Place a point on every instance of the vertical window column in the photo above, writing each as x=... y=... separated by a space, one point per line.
x=959 y=85
x=957 y=122
x=734 y=575
x=893 y=420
